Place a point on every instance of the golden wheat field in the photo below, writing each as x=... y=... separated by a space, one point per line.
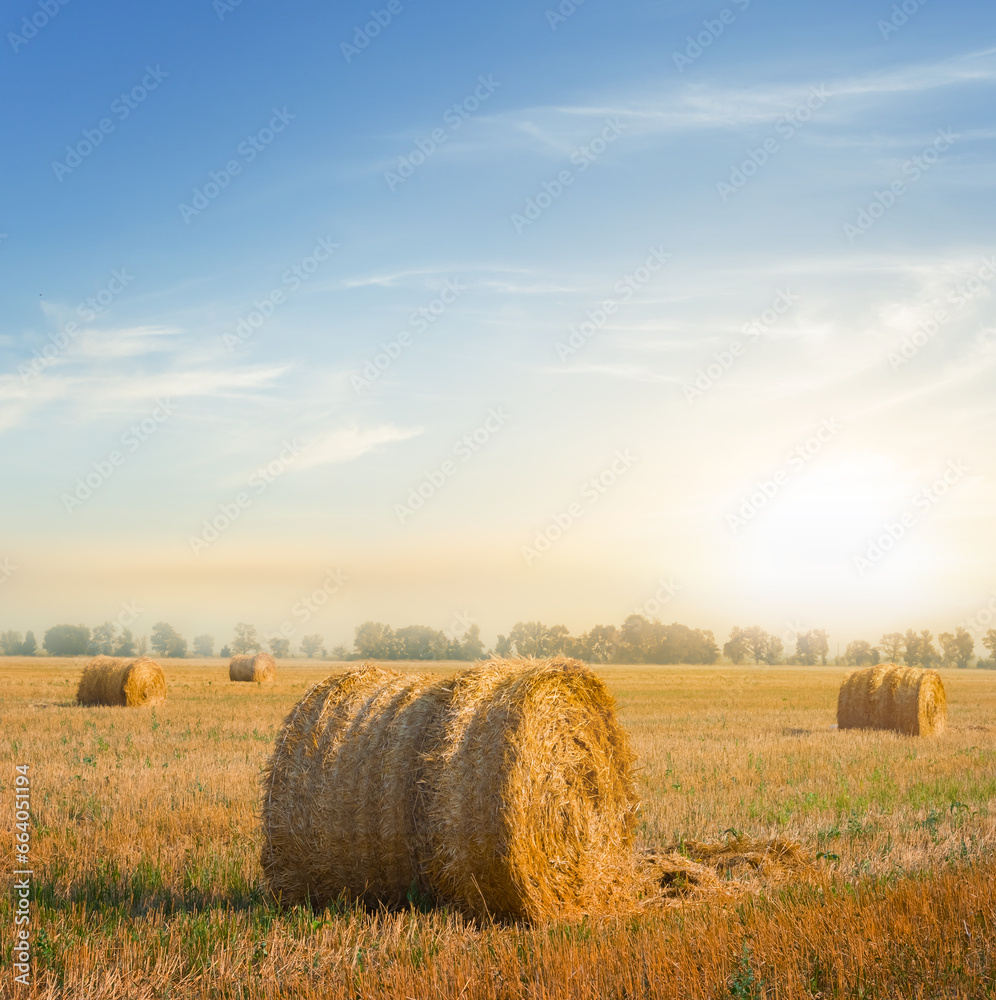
x=144 y=848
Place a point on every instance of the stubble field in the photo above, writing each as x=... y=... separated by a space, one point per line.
x=144 y=847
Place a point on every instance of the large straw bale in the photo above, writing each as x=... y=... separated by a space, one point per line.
x=504 y=790
x=261 y=667
x=110 y=681
x=886 y=696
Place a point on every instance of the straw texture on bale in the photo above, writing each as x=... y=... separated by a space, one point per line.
x=261 y=667
x=903 y=699
x=109 y=681
x=504 y=790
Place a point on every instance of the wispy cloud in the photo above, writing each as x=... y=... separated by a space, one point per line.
x=347 y=444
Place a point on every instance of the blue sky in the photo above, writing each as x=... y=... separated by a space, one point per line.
x=826 y=167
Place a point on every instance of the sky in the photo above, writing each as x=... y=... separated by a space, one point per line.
x=448 y=313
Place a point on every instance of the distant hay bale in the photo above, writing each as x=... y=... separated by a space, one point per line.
x=504 y=790
x=109 y=681
x=903 y=699
x=261 y=667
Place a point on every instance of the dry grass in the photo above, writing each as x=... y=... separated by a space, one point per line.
x=148 y=876
x=259 y=668
x=903 y=699
x=129 y=683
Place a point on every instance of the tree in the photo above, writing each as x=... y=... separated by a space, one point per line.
x=537 y=639
x=891 y=646
x=966 y=646
x=30 y=645
x=280 y=647
x=339 y=652
x=10 y=642
x=126 y=644
x=419 y=642
x=503 y=647
x=67 y=640
x=819 y=643
x=775 y=649
x=204 y=645
x=469 y=645
x=860 y=652
x=311 y=645
x=143 y=646
x=929 y=657
x=911 y=647
x=225 y=652
x=958 y=648
x=102 y=639
x=758 y=642
x=600 y=645
x=376 y=641
x=166 y=641
x=735 y=648
x=245 y=640
x=989 y=641
x=804 y=651
x=677 y=643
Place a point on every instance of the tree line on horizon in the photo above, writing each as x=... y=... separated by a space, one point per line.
x=637 y=640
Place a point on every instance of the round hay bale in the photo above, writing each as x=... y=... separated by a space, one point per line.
x=530 y=799
x=903 y=699
x=504 y=790
x=110 y=681
x=261 y=667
